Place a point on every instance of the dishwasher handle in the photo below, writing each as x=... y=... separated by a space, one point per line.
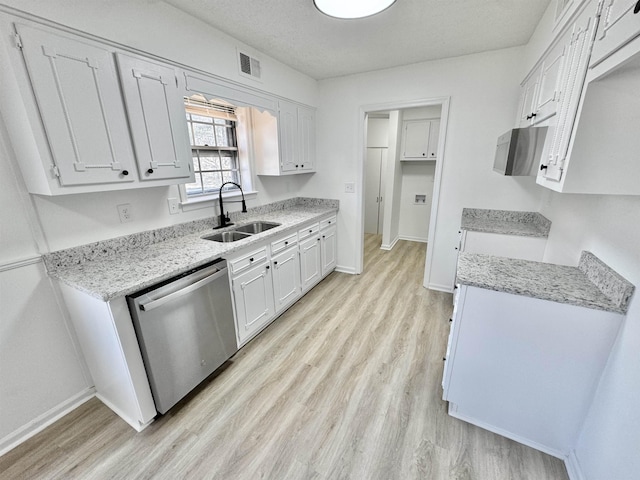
x=145 y=307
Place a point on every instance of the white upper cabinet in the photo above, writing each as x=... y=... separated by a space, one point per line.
x=98 y=125
x=77 y=94
x=571 y=84
x=420 y=139
x=619 y=24
x=294 y=151
x=306 y=138
x=156 y=117
x=541 y=90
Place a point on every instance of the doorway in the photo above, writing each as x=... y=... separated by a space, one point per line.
x=401 y=179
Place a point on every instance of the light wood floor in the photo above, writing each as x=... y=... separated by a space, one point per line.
x=345 y=385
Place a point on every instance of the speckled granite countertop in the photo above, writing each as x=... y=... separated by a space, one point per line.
x=591 y=284
x=506 y=222
x=124 y=265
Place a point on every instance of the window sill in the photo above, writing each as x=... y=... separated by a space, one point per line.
x=210 y=201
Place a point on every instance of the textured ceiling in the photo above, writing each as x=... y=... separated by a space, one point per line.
x=411 y=31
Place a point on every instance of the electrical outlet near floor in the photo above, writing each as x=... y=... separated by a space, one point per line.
x=174 y=206
x=124 y=211
x=350 y=187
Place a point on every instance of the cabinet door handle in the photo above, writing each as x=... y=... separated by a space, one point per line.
x=296 y=166
x=636 y=9
x=125 y=172
x=543 y=167
x=251 y=259
x=286 y=243
x=274 y=263
x=267 y=267
x=150 y=171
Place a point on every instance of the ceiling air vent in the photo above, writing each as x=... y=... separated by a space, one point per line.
x=249 y=66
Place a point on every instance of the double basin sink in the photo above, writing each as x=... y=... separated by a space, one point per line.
x=243 y=231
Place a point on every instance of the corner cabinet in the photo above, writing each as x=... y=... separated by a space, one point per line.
x=86 y=139
x=420 y=140
x=295 y=152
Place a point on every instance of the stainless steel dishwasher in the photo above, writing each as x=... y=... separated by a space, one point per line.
x=185 y=329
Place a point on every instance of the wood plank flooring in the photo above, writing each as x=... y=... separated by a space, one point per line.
x=345 y=385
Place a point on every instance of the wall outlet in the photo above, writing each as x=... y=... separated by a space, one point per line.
x=349 y=187
x=124 y=211
x=174 y=206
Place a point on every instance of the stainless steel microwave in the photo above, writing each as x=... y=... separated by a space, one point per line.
x=519 y=151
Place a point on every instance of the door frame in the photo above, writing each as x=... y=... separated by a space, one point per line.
x=444 y=103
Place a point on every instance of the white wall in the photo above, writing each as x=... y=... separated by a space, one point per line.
x=608 y=226
x=484 y=92
x=159 y=29
x=41 y=371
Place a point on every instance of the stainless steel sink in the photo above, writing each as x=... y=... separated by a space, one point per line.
x=231 y=236
x=257 y=227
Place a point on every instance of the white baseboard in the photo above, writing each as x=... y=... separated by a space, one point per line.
x=390 y=246
x=43 y=421
x=440 y=288
x=525 y=441
x=350 y=270
x=413 y=239
x=136 y=425
x=573 y=466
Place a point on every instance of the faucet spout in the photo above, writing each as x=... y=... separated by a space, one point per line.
x=224 y=220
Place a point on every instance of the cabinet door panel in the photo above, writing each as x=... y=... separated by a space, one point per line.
x=571 y=87
x=253 y=293
x=310 y=267
x=527 y=105
x=434 y=134
x=287 y=130
x=328 y=243
x=286 y=278
x=78 y=96
x=618 y=26
x=157 y=119
x=306 y=138
x=549 y=91
x=416 y=138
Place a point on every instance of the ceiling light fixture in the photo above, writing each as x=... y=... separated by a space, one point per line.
x=352 y=8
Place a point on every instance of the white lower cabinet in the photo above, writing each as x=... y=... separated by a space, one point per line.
x=525 y=368
x=328 y=247
x=286 y=278
x=252 y=287
x=267 y=280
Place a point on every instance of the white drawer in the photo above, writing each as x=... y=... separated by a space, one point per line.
x=327 y=222
x=308 y=231
x=240 y=264
x=286 y=242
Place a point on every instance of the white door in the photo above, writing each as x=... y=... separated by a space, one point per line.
x=78 y=95
x=373 y=189
x=157 y=119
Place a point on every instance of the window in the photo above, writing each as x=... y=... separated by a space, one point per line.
x=214 y=146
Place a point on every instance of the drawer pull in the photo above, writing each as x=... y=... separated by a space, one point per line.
x=251 y=259
x=286 y=243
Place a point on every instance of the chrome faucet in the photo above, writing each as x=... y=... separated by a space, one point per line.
x=224 y=219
